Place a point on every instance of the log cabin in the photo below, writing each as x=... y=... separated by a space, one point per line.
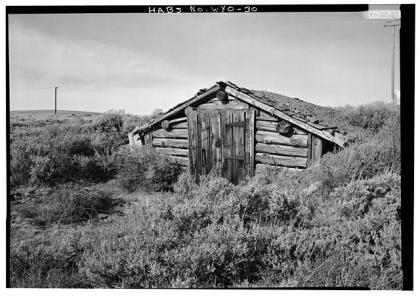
x=236 y=132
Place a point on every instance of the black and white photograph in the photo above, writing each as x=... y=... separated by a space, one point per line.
x=210 y=146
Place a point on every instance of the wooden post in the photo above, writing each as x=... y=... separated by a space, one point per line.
x=55 y=100
x=309 y=162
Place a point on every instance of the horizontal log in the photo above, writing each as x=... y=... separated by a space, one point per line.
x=260 y=167
x=276 y=138
x=176 y=143
x=217 y=105
x=177 y=120
x=173 y=151
x=172 y=134
x=267 y=115
x=288 y=161
x=180 y=160
x=279 y=126
x=180 y=125
x=267 y=118
x=281 y=150
x=267 y=125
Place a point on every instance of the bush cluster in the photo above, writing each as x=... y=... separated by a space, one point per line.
x=222 y=235
x=66 y=204
x=46 y=260
x=58 y=152
x=147 y=168
x=336 y=224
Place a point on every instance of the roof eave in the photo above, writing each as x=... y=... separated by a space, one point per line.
x=178 y=108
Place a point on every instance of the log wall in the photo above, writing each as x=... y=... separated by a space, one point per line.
x=279 y=143
x=172 y=141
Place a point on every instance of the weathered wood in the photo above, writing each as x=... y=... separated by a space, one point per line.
x=309 y=162
x=148 y=139
x=251 y=135
x=239 y=146
x=298 y=131
x=254 y=102
x=289 y=161
x=222 y=96
x=281 y=150
x=275 y=138
x=284 y=127
x=220 y=140
x=267 y=126
x=281 y=126
x=181 y=107
x=175 y=143
x=165 y=125
x=131 y=140
x=173 y=151
x=266 y=117
x=205 y=142
x=328 y=127
x=188 y=110
x=214 y=105
x=175 y=123
x=194 y=142
x=173 y=134
x=215 y=154
x=316 y=148
x=180 y=125
x=228 y=145
x=177 y=120
x=184 y=161
x=260 y=167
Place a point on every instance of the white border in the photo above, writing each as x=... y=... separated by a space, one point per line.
x=180 y=293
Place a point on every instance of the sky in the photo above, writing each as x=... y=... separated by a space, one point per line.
x=143 y=62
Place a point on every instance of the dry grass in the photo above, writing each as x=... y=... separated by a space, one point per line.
x=335 y=224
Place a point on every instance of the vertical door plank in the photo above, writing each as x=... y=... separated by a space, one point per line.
x=309 y=162
x=215 y=140
x=205 y=131
x=238 y=145
x=247 y=143
x=228 y=144
x=251 y=140
x=222 y=140
x=198 y=152
x=192 y=140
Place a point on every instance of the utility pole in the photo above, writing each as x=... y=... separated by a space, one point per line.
x=393 y=24
x=55 y=100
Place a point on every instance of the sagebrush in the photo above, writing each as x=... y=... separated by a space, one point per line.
x=336 y=224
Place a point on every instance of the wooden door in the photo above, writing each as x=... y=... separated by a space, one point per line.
x=222 y=141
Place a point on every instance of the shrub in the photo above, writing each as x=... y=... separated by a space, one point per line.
x=47 y=260
x=67 y=204
x=371 y=117
x=96 y=168
x=78 y=145
x=20 y=167
x=147 y=168
x=53 y=169
x=111 y=121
